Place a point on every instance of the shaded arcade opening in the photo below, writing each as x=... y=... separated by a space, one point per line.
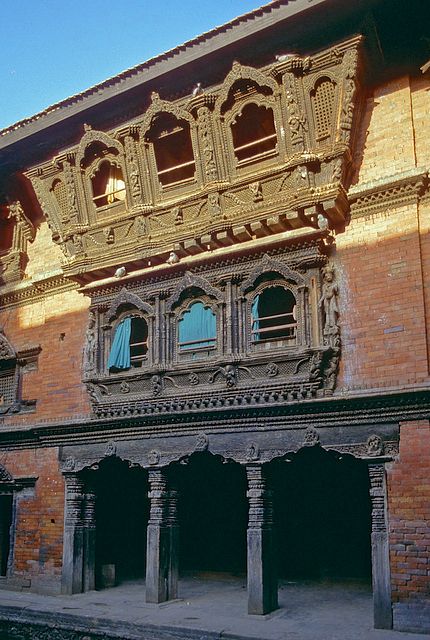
x=322 y=515
x=121 y=518
x=212 y=513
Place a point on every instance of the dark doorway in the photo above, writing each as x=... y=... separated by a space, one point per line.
x=122 y=510
x=5 y=524
x=322 y=516
x=212 y=515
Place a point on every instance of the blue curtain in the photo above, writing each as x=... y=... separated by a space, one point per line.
x=197 y=323
x=255 y=320
x=119 y=356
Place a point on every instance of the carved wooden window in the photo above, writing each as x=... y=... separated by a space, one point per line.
x=197 y=329
x=8 y=385
x=254 y=133
x=6 y=503
x=274 y=315
x=173 y=150
x=323 y=104
x=59 y=190
x=108 y=184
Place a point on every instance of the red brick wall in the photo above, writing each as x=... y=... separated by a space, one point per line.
x=38 y=543
x=384 y=259
x=409 y=513
x=58 y=324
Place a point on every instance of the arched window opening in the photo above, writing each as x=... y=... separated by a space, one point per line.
x=244 y=89
x=173 y=149
x=129 y=345
x=197 y=328
x=6 y=502
x=323 y=104
x=254 y=133
x=108 y=184
x=273 y=315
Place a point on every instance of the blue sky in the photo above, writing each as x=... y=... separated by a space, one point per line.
x=51 y=49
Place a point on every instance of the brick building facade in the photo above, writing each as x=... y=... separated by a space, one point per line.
x=302 y=238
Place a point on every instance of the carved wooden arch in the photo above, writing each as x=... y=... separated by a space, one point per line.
x=159 y=106
x=203 y=447
x=5 y=476
x=271 y=284
x=7 y=352
x=95 y=165
x=96 y=136
x=311 y=441
x=325 y=74
x=127 y=297
x=266 y=265
x=74 y=465
x=187 y=282
x=259 y=100
x=240 y=72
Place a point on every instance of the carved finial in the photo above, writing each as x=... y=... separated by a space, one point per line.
x=87 y=127
x=198 y=90
x=155 y=97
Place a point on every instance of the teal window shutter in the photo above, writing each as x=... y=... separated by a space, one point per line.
x=119 y=356
x=255 y=324
x=197 y=327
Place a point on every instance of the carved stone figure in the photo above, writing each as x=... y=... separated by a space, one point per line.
x=110 y=448
x=140 y=226
x=214 y=208
x=311 y=437
x=202 y=442
x=296 y=120
x=252 y=452
x=207 y=143
x=178 y=215
x=255 y=188
x=153 y=457
x=375 y=446
x=156 y=384
x=89 y=360
x=328 y=301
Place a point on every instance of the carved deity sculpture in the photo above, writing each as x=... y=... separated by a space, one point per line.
x=89 y=359
x=23 y=231
x=328 y=301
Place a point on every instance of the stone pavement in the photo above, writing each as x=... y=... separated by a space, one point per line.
x=211 y=608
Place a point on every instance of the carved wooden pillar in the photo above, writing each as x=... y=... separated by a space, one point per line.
x=262 y=579
x=381 y=581
x=162 y=540
x=172 y=522
x=73 y=546
x=89 y=540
